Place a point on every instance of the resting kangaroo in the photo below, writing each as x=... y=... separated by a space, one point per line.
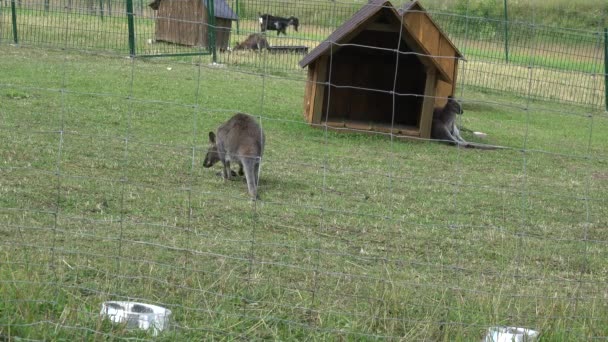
x=444 y=126
x=444 y=122
x=241 y=140
x=254 y=41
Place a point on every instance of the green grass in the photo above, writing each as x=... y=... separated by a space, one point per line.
x=577 y=14
x=356 y=237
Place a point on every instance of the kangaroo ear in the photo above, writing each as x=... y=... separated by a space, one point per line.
x=212 y=137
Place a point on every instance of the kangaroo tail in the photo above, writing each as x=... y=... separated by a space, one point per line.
x=483 y=147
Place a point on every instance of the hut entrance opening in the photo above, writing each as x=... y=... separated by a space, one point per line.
x=363 y=77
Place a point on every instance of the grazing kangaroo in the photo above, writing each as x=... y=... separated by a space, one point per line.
x=240 y=140
x=254 y=41
x=444 y=126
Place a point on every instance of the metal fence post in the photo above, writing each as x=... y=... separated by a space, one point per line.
x=606 y=67
x=14 y=15
x=506 y=33
x=211 y=26
x=131 y=28
x=238 y=16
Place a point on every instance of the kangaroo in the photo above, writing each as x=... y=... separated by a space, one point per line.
x=444 y=122
x=254 y=41
x=444 y=126
x=241 y=140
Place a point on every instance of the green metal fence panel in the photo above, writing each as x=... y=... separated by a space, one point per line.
x=606 y=67
x=211 y=31
x=506 y=26
x=14 y=21
x=131 y=26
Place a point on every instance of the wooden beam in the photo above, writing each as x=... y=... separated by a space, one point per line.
x=318 y=93
x=308 y=94
x=351 y=35
x=426 y=117
x=382 y=27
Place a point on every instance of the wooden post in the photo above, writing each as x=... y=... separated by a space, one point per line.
x=426 y=117
x=309 y=89
x=318 y=90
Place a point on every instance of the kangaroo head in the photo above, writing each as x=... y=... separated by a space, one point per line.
x=295 y=22
x=454 y=106
x=212 y=156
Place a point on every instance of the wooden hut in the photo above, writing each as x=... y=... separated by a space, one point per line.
x=186 y=22
x=364 y=86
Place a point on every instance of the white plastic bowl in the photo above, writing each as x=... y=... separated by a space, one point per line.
x=137 y=315
x=511 y=334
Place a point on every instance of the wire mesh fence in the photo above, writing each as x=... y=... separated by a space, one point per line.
x=566 y=59
x=502 y=48
x=365 y=237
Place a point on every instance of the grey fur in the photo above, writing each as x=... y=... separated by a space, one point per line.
x=444 y=123
x=240 y=140
x=254 y=41
x=444 y=126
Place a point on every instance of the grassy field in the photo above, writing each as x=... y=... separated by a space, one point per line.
x=356 y=237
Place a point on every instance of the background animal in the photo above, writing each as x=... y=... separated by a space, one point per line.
x=279 y=24
x=241 y=140
x=254 y=41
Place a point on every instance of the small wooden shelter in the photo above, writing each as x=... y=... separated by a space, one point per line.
x=186 y=22
x=356 y=80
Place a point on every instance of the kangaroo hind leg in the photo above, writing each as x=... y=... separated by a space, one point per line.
x=249 y=166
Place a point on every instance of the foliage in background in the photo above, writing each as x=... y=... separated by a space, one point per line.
x=577 y=14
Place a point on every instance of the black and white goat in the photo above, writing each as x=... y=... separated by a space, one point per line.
x=279 y=24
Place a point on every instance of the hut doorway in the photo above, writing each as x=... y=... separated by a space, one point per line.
x=362 y=80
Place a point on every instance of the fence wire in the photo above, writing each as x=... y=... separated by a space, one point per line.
x=499 y=51
x=356 y=236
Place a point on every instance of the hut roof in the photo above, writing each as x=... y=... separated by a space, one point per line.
x=223 y=10
x=220 y=7
x=415 y=6
x=343 y=33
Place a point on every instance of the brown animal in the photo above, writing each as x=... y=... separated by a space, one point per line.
x=240 y=140
x=255 y=41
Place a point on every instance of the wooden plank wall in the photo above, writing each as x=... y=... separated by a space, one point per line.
x=424 y=29
x=318 y=94
x=437 y=44
x=222 y=32
x=175 y=22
